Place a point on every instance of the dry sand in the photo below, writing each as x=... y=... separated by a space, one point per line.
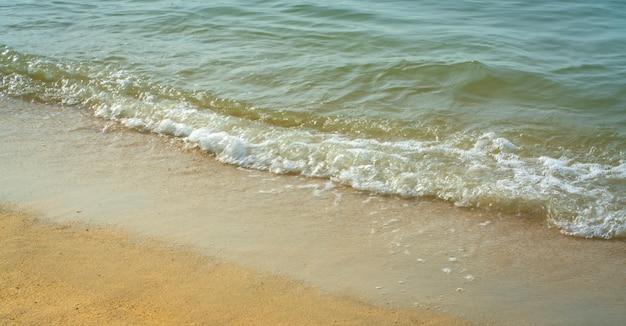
x=62 y=274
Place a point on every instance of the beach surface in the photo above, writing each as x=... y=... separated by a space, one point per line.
x=404 y=257
x=73 y=274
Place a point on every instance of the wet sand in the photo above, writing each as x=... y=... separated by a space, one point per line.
x=73 y=274
x=63 y=166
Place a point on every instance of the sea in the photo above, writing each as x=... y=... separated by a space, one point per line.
x=515 y=107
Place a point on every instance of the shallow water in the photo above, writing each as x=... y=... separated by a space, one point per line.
x=66 y=166
x=513 y=107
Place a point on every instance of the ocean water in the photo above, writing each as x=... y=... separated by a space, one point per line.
x=514 y=107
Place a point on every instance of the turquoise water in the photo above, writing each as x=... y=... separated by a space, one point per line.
x=518 y=107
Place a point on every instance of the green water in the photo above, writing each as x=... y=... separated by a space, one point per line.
x=509 y=106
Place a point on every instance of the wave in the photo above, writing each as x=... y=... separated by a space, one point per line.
x=470 y=168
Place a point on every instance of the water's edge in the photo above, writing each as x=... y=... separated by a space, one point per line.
x=384 y=249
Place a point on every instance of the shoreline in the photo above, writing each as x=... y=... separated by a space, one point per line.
x=73 y=274
x=64 y=166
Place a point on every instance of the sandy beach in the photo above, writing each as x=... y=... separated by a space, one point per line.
x=167 y=222
x=72 y=274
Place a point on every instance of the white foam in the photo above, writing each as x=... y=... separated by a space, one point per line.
x=580 y=198
x=169 y=127
x=228 y=148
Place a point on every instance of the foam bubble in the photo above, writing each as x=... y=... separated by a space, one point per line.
x=228 y=148
x=169 y=127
